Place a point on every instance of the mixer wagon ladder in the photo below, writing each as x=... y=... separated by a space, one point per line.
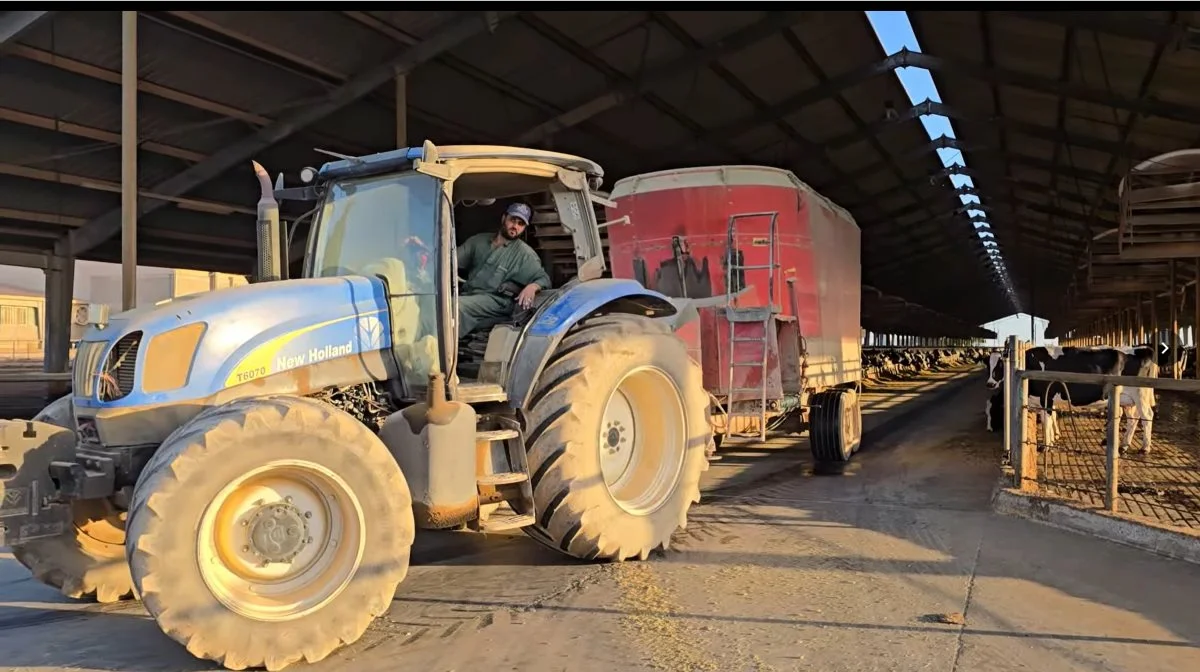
x=764 y=315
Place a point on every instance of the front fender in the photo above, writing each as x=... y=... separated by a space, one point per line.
x=556 y=318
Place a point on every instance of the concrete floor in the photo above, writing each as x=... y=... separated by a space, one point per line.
x=850 y=572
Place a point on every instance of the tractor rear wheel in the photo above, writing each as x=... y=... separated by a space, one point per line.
x=269 y=530
x=835 y=432
x=618 y=432
x=89 y=561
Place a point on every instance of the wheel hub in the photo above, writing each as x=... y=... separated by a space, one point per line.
x=278 y=532
x=642 y=440
x=615 y=436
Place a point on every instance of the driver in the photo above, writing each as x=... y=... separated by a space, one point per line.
x=490 y=260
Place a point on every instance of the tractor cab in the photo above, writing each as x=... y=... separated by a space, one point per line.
x=400 y=216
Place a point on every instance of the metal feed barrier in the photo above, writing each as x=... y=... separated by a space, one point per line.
x=1071 y=463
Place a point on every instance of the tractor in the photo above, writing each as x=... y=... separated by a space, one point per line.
x=253 y=463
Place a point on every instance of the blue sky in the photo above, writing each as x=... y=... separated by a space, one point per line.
x=895 y=32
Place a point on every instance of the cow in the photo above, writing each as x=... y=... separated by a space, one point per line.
x=1137 y=404
x=903 y=363
x=993 y=413
x=1164 y=356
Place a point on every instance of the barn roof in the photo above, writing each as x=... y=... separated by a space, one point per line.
x=1045 y=134
x=1054 y=108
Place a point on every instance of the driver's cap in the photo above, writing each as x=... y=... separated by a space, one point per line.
x=524 y=212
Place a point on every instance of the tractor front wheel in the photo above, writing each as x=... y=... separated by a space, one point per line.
x=269 y=530
x=618 y=432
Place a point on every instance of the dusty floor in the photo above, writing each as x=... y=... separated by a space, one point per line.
x=852 y=572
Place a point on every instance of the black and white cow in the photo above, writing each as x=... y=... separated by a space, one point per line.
x=993 y=413
x=1164 y=356
x=1137 y=404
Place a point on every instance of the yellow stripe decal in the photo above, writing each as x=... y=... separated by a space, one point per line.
x=260 y=361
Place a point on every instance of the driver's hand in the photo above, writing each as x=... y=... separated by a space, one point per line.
x=525 y=298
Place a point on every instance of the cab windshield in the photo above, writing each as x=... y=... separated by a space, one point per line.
x=378 y=219
x=387 y=226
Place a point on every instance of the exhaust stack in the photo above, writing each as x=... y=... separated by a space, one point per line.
x=270 y=236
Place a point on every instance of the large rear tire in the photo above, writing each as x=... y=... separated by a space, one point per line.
x=269 y=530
x=836 y=427
x=619 y=429
x=89 y=561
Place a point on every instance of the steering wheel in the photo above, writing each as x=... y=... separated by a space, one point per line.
x=422 y=253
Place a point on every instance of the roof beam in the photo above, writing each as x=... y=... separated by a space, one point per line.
x=460 y=29
x=1038 y=131
x=972 y=172
x=92 y=133
x=492 y=83
x=797 y=102
x=96 y=184
x=1053 y=87
x=630 y=90
x=954 y=143
x=15 y=24
x=67 y=221
x=1129 y=26
x=819 y=73
x=26 y=259
x=1126 y=129
x=992 y=75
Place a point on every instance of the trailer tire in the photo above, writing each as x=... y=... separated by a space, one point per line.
x=89 y=561
x=835 y=432
x=269 y=530
x=603 y=377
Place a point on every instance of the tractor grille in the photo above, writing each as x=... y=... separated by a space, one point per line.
x=117 y=377
x=87 y=363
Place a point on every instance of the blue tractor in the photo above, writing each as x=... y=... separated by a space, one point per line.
x=253 y=463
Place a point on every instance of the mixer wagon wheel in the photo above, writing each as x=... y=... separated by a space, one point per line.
x=836 y=426
x=618 y=431
x=269 y=530
x=89 y=561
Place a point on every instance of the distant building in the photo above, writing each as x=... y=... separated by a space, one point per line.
x=155 y=285
x=23 y=323
x=23 y=304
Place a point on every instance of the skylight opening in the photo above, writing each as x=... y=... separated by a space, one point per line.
x=894 y=32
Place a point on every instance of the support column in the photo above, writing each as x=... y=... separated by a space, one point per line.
x=1196 y=315
x=129 y=173
x=60 y=285
x=1173 y=308
x=1155 y=338
x=1141 y=323
x=401 y=110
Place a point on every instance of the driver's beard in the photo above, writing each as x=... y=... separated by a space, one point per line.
x=508 y=236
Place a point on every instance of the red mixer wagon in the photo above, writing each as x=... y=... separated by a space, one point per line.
x=773 y=269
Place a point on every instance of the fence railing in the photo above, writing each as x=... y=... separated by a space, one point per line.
x=1164 y=484
x=21 y=350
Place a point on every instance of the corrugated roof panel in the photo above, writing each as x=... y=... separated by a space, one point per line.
x=415 y=24
x=594 y=30
x=706 y=98
x=180 y=61
x=50 y=198
x=709 y=27
x=314 y=37
x=771 y=69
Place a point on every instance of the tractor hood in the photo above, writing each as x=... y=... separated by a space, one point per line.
x=248 y=332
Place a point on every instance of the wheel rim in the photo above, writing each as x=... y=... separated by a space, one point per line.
x=100 y=528
x=847 y=423
x=281 y=541
x=642 y=432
